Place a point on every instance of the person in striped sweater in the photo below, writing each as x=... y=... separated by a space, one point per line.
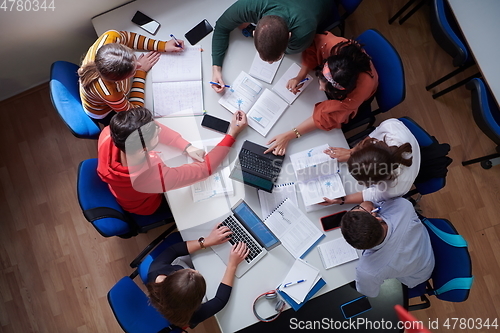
x=112 y=78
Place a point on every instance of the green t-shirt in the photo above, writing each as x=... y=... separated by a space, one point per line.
x=301 y=16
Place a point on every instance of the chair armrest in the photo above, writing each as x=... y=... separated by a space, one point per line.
x=135 y=263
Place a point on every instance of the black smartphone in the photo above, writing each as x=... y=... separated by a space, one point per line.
x=215 y=123
x=330 y=222
x=355 y=307
x=146 y=22
x=198 y=32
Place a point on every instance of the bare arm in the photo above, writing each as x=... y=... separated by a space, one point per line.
x=280 y=141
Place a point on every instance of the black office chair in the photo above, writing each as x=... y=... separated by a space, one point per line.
x=100 y=208
x=391 y=89
x=487 y=117
x=451 y=278
x=448 y=35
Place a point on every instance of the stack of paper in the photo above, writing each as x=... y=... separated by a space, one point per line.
x=317 y=174
x=296 y=294
x=177 y=86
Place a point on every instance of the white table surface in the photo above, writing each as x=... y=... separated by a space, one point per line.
x=177 y=17
x=480 y=24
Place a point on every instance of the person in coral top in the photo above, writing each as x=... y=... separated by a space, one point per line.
x=112 y=78
x=137 y=175
x=347 y=76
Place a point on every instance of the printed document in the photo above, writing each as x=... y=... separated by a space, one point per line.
x=317 y=174
x=336 y=252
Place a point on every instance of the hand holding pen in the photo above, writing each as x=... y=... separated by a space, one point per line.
x=295 y=84
x=178 y=45
x=220 y=85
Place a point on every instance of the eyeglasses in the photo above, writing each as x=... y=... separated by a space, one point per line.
x=376 y=210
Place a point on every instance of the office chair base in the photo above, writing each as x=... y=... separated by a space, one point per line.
x=486 y=161
x=424 y=305
x=409 y=14
x=456 y=85
x=449 y=76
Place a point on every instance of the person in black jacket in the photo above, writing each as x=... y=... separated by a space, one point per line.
x=177 y=292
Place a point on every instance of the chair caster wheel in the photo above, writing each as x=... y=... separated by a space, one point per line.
x=486 y=164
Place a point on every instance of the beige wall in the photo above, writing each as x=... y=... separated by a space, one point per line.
x=30 y=41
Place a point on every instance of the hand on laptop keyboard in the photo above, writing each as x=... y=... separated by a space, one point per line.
x=239 y=252
x=219 y=234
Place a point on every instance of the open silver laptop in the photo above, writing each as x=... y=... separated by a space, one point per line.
x=247 y=227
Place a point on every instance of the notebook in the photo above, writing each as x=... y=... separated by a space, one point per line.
x=246 y=227
x=254 y=168
x=294 y=229
x=269 y=201
x=280 y=86
x=263 y=70
x=177 y=85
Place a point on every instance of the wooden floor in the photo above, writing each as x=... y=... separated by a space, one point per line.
x=55 y=269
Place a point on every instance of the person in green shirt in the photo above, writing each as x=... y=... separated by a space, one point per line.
x=283 y=26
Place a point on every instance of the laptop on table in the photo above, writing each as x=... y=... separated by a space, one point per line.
x=254 y=168
x=247 y=227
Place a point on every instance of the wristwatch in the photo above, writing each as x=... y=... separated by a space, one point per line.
x=201 y=240
x=248 y=31
x=342 y=200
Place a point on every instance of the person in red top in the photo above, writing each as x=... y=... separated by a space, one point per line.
x=347 y=76
x=136 y=174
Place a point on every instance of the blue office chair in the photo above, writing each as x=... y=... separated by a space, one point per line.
x=65 y=96
x=336 y=20
x=452 y=276
x=424 y=183
x=391 y=89
x=100 y=207
x=143 y=261
x=487 y=117
x=130 y=305
x=132 y=309
x=448 y=35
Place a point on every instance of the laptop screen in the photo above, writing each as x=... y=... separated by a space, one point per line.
x=255 y=226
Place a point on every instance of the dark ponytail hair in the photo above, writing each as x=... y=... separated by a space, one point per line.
x=113 y=62
x=346 y=61
x=373 y=161
x=178 y=296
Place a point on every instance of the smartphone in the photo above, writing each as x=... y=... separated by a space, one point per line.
x=198 y=32
x=146 y=22
x=355 y=307
x=330 y=222
x=215 y=123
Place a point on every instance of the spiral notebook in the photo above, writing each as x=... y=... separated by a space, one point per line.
x=269 y=201
x=293 y=228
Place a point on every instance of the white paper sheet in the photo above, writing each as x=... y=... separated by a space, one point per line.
x=263 y=70
x=280 y=86
x=336 y=252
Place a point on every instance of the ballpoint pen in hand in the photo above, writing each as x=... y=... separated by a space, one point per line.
x=292 y=283
x=220 y=85
x=177 y=43
x=304 y=80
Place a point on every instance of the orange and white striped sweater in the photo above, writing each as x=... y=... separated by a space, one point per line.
x=103 y=96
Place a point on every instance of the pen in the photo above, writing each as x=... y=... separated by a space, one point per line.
x=218 y=84
x=176 y=41
x=376 y=210
x=304 y=80
x=293 y=283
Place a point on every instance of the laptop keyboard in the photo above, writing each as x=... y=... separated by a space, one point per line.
x=241 y=235
x=256 y=163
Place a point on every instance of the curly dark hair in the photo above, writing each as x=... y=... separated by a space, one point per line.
x=361 y=229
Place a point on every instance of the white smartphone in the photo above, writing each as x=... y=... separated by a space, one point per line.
x=146 y=22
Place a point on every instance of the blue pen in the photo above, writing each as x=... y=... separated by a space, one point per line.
x=376 y=210
x=292 y=283
x=176 y=41
x=304 y=80
x=220 y=85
